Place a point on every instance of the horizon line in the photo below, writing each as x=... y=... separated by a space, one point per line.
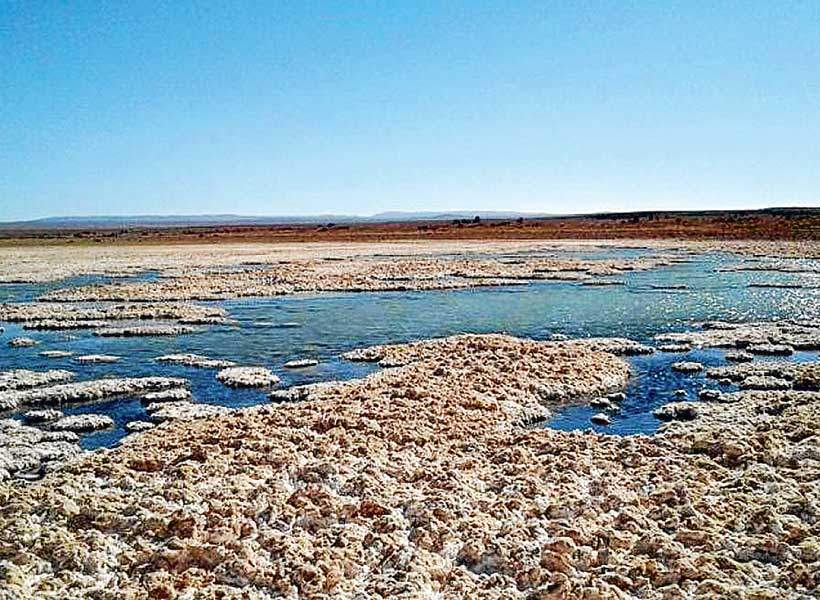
x=398 y=214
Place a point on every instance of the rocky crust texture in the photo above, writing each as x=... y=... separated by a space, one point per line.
x=47 y=315
x=85 y=391
x=771 y=375
x=772 y=338
x=83 y=423
x=97 y=358
x=760 y=450
x=424 y=481
x=143 y=330
x=247 y=377
x=195 y=360
x=28 y=452
x=170 y=395
x=183 y=410
x=31 y=264
x=20 y=379
x=355 y=274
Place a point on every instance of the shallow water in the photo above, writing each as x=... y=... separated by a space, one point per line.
x=27 y=292
x=272 y=331
x=652 y=384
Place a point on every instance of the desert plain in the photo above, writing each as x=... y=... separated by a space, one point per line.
x=436 y=472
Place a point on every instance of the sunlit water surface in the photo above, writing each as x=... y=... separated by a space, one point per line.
x=272 y=331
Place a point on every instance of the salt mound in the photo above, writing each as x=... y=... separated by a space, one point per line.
x=687 y=367
x=144 y=330
x=184 y=411
x=19 y=379
x=86 y=391
x=56 y=353
x=301 y=363
x=83 y=423
x=195 y=360
x=97 y=358
x=247 y=377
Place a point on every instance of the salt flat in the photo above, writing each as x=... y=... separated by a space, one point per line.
x=434 y=466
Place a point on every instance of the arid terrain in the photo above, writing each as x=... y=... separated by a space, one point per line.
x=432 y=475
x=770 y=224
x=410 y=301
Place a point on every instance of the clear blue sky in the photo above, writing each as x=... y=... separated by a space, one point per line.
x=360 y=107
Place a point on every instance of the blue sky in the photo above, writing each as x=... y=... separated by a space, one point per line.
x=360 y=107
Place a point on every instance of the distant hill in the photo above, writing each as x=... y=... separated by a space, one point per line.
x=159 y=221
x=450 y=215
x=763 y=224
x=154 y=221
x=109 y=222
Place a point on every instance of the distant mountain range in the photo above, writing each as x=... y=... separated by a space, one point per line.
x=109 y=222
x=170 y=221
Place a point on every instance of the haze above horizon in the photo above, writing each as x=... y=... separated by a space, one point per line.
x=353 y=108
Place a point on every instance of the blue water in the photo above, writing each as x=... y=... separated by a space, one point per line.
x=272 y=331
x=652 y=384
x=27 y=292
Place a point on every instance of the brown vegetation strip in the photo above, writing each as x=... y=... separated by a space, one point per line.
x=776 y=224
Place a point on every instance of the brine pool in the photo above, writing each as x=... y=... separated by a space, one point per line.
x=271 y=331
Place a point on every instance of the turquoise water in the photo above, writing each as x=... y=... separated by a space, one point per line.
x=271 y=331
x=13 y=292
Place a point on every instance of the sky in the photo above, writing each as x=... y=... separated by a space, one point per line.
x=269 y=108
